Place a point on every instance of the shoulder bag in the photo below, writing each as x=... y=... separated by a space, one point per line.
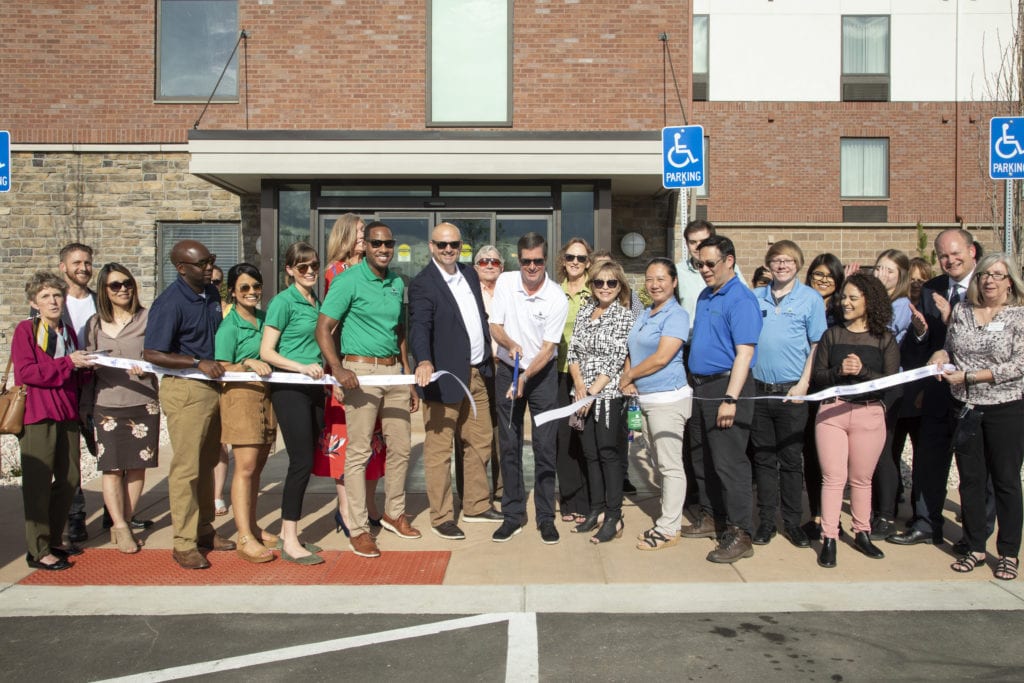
x=12 y=405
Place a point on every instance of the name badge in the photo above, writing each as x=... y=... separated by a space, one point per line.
x=995 y=327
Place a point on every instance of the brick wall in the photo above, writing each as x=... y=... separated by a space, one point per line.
x=111 y=202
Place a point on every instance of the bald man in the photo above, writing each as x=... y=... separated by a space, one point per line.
x=180 y=334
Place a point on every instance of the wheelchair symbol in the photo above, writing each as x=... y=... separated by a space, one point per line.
x=683 y=156
x=1006 y=146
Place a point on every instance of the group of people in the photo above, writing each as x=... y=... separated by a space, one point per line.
x=714 y=369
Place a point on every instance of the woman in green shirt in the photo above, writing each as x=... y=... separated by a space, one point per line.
x=289 y=345
x=248 y=424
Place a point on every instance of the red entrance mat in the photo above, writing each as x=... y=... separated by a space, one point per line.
x=110 y=567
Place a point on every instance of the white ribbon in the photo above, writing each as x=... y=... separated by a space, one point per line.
x=904 y=377
x=276 y=377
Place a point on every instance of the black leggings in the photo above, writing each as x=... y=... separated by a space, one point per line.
x=300 y=413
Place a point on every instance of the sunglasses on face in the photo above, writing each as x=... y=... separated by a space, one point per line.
x=245 y=289
x=531 y=261
x=304 y=268
x=204 y=263
x=215 y=282
x=118 y=285
x=710 y=265
x=387 y=244
x=578 y=258
x=488 y=262
x=605 y=284
x=454 y=244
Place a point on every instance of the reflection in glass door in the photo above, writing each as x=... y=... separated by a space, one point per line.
x=510 y=228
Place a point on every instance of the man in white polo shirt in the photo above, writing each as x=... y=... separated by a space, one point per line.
x=527 y=318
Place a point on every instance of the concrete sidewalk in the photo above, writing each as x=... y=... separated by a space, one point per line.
x=526 y=573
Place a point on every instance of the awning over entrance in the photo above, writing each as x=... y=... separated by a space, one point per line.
x=240 y=160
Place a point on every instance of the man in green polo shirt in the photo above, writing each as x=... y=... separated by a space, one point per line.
x=366 y=301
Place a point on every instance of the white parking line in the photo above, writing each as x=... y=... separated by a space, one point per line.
x=522 y=664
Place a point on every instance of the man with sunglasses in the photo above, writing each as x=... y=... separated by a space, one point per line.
x=722 y=353
x=180 y=333
x=527 y=319
x=366 y=301
x=448 y=331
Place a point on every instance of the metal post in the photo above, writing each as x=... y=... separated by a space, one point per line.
x=1008 y=228
x=684 y=218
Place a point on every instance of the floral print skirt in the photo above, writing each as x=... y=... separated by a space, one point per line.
x=127 y=438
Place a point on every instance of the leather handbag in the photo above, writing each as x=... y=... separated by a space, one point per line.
x=12 y=405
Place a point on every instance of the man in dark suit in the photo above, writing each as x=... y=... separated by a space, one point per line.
x=957 y=256
x=448 y=331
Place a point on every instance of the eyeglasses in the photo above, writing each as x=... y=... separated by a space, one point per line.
x=710 y=265
x=488 y=262
x=216 y=283
x=998 y=277
x=781 y=262
x=453 y=244
x=246 y=288
x=203 y=264
x=578 y=258
x=822 y=277
x=118 y=285
x=605 y=284
x=387 y=244
x=531 y=261
x=304 y=268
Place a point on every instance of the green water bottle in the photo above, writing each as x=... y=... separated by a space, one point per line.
x=633 y=421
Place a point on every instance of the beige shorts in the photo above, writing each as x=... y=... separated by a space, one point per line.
x=246 y=415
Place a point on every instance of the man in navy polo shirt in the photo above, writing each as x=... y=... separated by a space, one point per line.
x=180 y=334
x=725 y=333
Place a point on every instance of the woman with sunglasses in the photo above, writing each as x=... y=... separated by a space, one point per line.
x=985 y=343
x=346 y=247
x=124 y=405
x=248 y=424
x=289 y=344
x=654 y=372
x=597 y=352
x=570 y=464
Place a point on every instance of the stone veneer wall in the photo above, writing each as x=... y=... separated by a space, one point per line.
x=110 y=201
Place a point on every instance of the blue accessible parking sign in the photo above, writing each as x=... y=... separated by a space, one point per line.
x=682 y=151
x=5 y=161
x=1005 y=153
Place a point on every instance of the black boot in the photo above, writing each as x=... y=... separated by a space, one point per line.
x=862 y=541
x=76 y=529
x=882 y=527
x=588 y=524
x=827 y=557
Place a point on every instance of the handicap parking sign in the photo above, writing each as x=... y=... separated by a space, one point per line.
x=682 y=151
x=5 y=161
x=1005 y=153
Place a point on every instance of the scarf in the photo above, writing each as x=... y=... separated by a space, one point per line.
x=55 y=343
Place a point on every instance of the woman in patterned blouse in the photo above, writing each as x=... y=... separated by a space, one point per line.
x=597 y=352
x=986 y=344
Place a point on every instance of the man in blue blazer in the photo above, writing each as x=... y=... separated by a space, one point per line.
x=448 y=331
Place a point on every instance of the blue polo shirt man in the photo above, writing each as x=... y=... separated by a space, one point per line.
x=793 y=317
x=725 y=333
x=181 y=334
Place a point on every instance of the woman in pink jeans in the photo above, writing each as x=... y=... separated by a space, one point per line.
x=850 y=431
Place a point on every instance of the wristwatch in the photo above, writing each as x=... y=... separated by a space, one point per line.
x=729 y=399
x=195 y=362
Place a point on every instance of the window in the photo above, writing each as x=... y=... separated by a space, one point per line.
x=700 y=57
x=865 y=74
x=222 y=239
x=195 y=38
x=864 y=167
x=469 y=63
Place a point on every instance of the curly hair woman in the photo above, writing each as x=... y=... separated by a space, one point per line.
x=850 y=431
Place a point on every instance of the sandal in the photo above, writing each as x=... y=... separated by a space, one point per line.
x=260 y=557
x=967 y=563
x=655 y=540
x=1006 y=568
x=610 y=529
x=220 y=508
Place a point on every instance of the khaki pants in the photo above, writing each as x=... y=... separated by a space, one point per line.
x=361 y=408
x=50 y=453
x=192 y=408
x=442 y=422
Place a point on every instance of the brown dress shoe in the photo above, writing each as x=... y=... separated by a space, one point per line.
x=704 y=528
x=190 y=559
x=215 y=542
x=735 y=545
x=363 y=545
x=400 y=526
